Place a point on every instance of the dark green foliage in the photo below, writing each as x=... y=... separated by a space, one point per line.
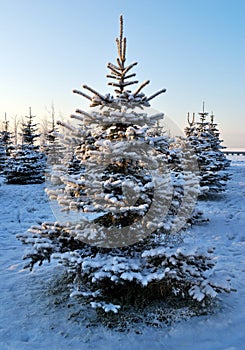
x=25 y=165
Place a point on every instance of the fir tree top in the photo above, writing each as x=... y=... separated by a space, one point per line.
x=6 y=123
x=121 y=80
x=5 y=134
x=203 y=114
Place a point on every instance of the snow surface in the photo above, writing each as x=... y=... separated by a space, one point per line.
x=34 y=316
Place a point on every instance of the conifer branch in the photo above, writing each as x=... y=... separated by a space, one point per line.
x=119 y=48
x=120 y=64
x=156 y=94
x=123 y=84
x=121 y=28
x=82 y=94
x=124 y=44
x=129 y=67
x=95 y=92
x=141 y=87
x=191 y=122
x=119 y=78
x=83 y=113
x=112 y=76
x=115 y=70
x=111 y=65
x=85 y=117
x=130 y=76
x=67 y=126
x=130 y=83
x=78 y=117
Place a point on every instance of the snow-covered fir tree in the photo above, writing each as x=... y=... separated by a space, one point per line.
x=5 y=144
x=126 y=199
x=203 y=136
x=26 y=164
x=2 y=156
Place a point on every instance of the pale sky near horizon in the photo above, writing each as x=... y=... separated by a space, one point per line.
x=193 y=48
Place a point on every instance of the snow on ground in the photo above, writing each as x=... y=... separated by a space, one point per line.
x=33 y=317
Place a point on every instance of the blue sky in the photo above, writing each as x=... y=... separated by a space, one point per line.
x=194 y=48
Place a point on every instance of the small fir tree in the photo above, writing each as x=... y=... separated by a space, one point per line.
x=29 y=130
x=135 y=190
x=26 y=164
x=203 y=136
x=5 y=144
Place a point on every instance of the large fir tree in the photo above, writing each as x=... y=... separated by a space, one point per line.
x=125 y=200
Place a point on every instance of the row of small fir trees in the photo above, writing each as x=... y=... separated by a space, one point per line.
x=25 y=162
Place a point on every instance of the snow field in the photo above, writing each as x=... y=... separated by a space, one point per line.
x=34 y=314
